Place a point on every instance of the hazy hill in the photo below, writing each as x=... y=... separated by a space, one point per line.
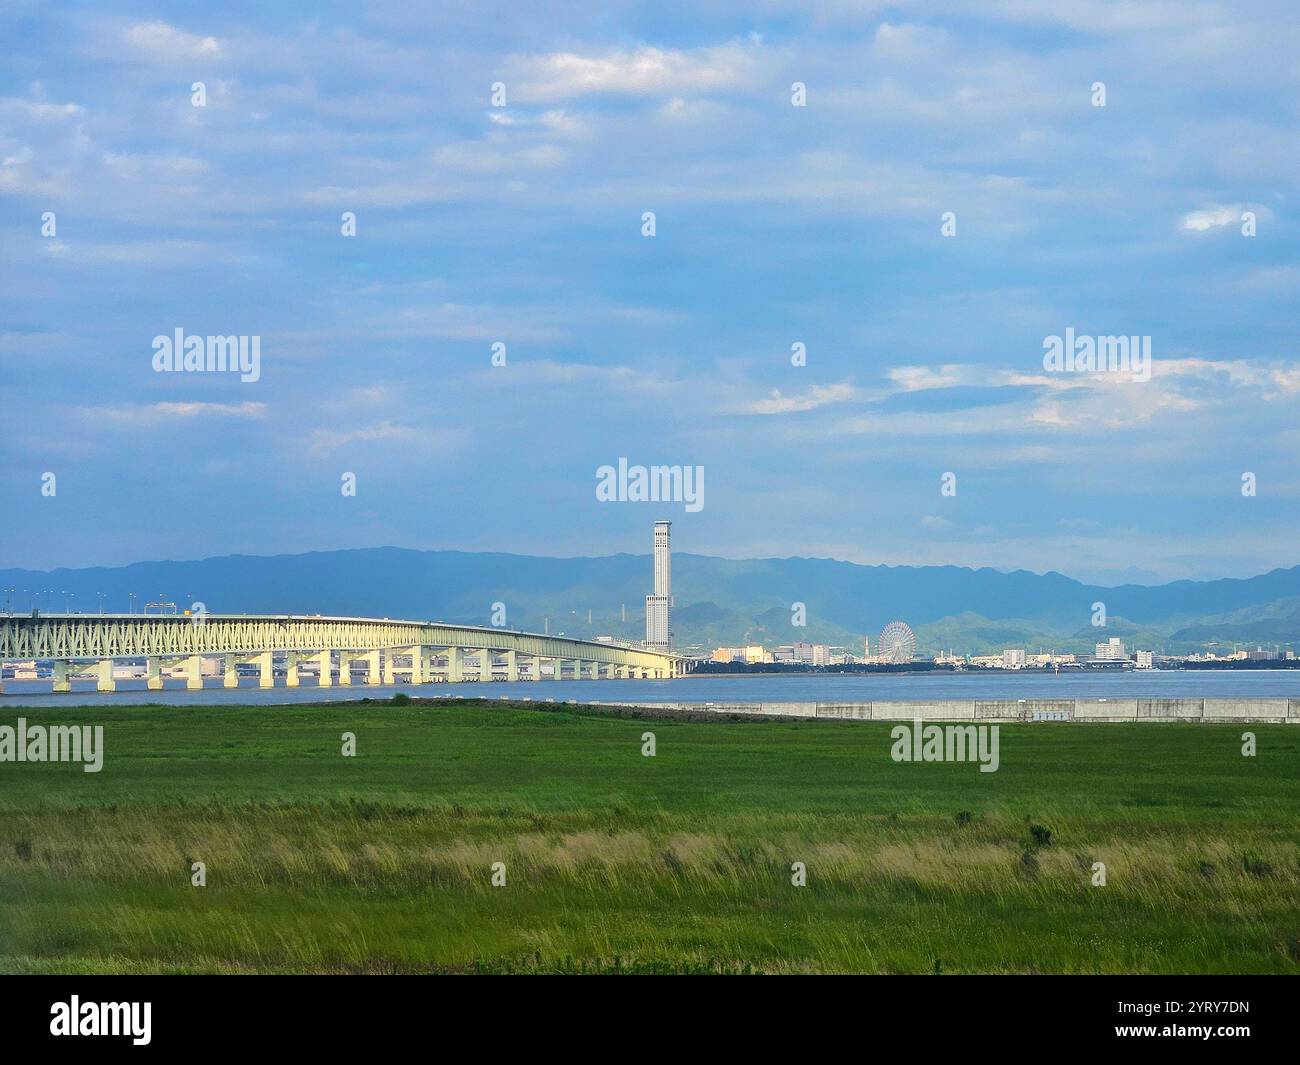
x=717 y=600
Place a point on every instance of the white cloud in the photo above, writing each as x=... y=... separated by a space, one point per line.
x=230 y=410
x=919 y=378
x=907 y=41
x=644 y=71
x=155 y=413
x=13 y=107
x=1109 y=16
x=1238 y=373
x=609 y=380
x=167 y=43
x=1208 y=218
x=325 y=441
x=817 y=396
x=154 y=254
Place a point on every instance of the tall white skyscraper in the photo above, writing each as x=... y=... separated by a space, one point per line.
x=658 y=606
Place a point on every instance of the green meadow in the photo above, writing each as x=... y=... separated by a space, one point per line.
x=617 y=862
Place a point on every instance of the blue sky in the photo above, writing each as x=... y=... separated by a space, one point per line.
x=775 y=224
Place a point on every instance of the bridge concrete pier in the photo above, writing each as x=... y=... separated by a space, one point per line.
x=229 y=671
x=485 y=666
x=512 y=665
x=325 y=678
x=60 y=673
x=153 y=674
x=193 y=672
x=265 y=674
x=455 y=665
x=104 y=681
x=291 y=670
x=416 y=654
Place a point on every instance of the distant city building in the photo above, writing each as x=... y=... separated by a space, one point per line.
x=1013 y=658
x=1145 y=659
x=750 y=654
x=807 y=654
x=658 y=632
x=1112 y=650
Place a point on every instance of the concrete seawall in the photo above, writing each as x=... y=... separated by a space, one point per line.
x=1278 y=711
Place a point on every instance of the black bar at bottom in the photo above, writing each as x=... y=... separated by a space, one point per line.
x=337 y=1014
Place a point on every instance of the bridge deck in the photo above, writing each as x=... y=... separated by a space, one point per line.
x=74 y=637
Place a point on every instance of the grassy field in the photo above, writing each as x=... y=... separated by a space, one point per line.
x=614 y=861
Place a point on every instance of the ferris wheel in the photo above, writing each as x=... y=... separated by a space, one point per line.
x=897 y=643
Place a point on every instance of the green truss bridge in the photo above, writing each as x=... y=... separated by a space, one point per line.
x=382 y=650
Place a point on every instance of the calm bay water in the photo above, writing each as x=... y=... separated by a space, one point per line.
x=1195 y=684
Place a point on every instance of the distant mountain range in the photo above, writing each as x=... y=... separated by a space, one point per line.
x=718 y=601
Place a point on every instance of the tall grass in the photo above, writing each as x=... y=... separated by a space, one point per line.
x=619 y=863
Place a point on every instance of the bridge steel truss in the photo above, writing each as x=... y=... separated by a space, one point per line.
x=383 y=647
